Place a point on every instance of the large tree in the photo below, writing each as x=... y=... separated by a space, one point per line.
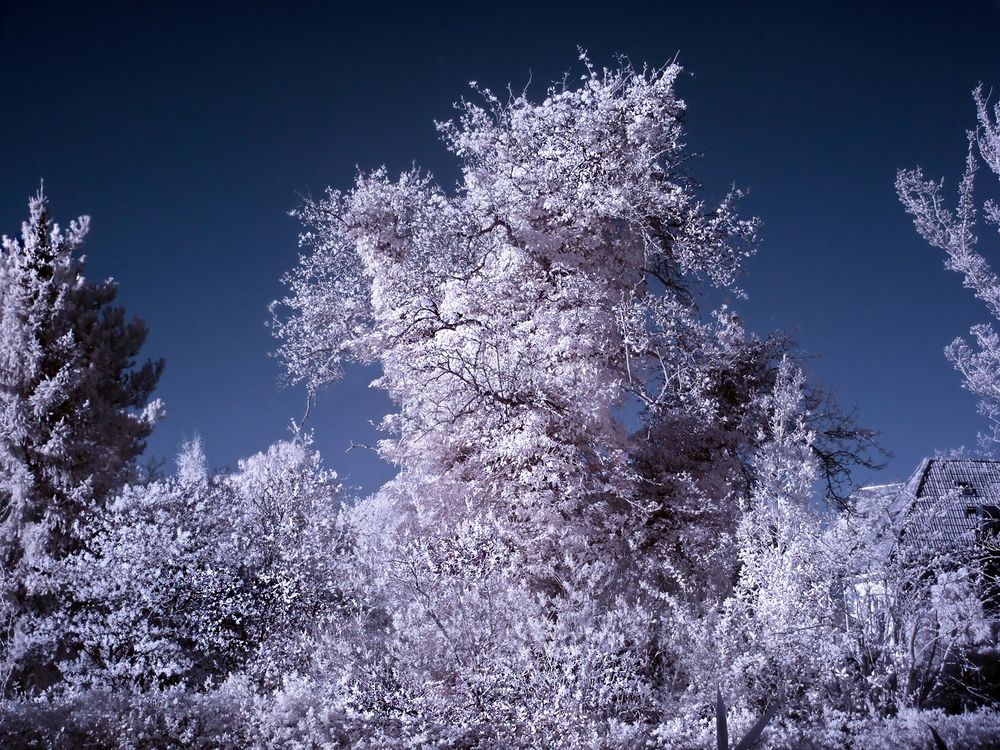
x=576 y=438
x=74 y=408
x=527 y=324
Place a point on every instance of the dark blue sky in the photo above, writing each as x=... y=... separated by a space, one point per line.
x=188 y=132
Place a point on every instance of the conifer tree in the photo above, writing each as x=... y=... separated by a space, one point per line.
x=74 y=408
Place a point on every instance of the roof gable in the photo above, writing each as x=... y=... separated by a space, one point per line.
x=948 y=500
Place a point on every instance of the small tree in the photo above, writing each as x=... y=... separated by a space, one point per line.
x=955 y=233
x=915 y=628
x=198 y=576
x=74 y=409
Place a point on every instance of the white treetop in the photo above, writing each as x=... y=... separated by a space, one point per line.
x=955 y=232
x=518 y=319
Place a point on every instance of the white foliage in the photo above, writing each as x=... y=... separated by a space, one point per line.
x=954 y=231
x=189 y=579
x=74 y=413
x=604 y=510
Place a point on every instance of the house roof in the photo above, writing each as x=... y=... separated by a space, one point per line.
x=946 y=500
